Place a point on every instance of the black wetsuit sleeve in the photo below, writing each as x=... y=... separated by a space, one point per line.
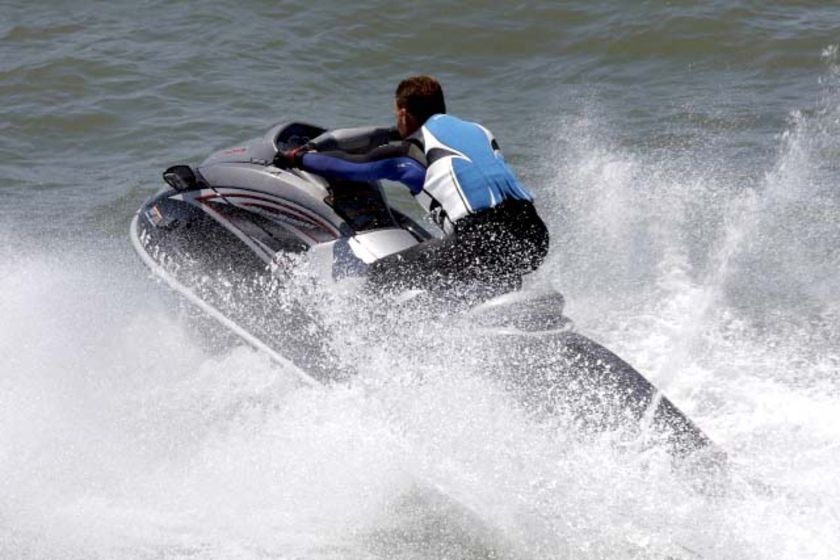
x=397 y=161
x=354 y=140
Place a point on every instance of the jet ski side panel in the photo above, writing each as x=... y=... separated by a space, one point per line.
x=196 y=252
x=180 y=232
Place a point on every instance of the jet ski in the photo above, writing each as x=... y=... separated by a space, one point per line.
x=218 y=228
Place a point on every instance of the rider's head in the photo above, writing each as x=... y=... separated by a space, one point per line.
x=417 y=99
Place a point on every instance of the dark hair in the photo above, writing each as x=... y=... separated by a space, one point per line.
x=421 y=96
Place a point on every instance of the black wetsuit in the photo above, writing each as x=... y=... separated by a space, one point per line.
x=456 y=172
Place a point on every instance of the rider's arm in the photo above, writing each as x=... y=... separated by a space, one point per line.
x=354 y=140
x=397 y=161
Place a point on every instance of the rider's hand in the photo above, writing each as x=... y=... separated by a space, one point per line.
x=291 y=158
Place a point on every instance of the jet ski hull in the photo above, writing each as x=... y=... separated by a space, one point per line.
x=222 y=235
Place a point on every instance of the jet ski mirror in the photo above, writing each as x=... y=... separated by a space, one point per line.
x=180 y=177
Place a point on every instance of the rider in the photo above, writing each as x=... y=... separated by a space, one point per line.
x=455 y=170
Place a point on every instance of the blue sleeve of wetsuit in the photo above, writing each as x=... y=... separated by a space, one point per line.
x=335 y=165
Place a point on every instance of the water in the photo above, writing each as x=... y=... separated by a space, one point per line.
x=684 y=157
